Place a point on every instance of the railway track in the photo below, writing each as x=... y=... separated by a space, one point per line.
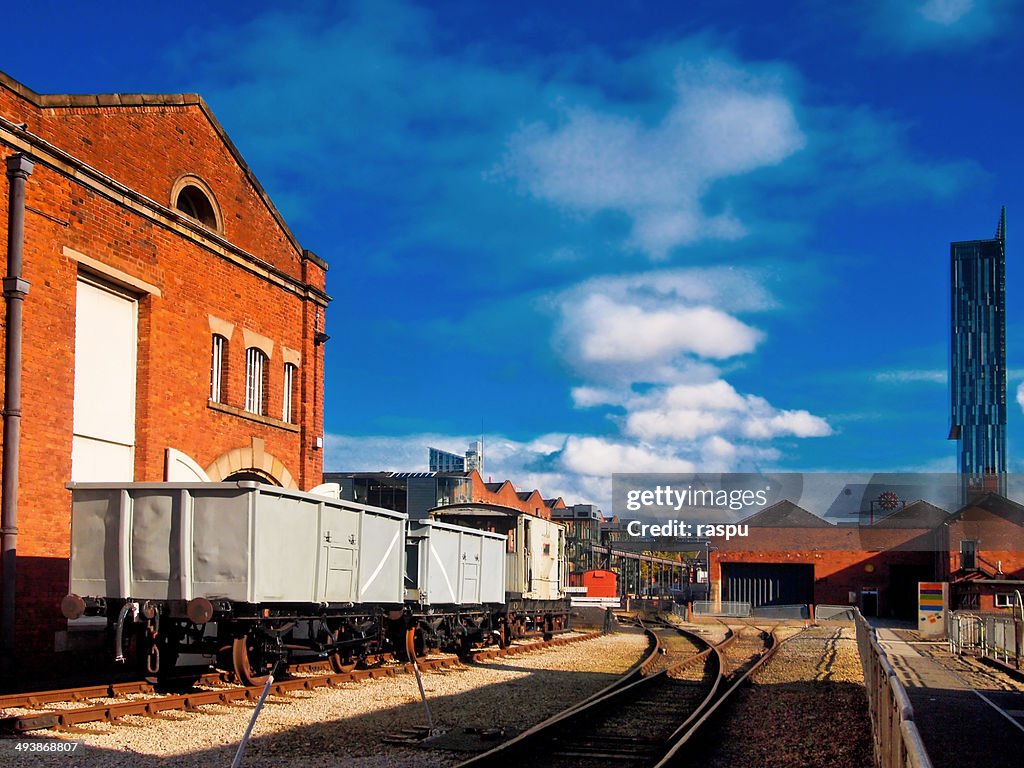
x=110 y=702
x=647 y=720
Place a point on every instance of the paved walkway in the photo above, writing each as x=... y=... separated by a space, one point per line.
x=960 y=725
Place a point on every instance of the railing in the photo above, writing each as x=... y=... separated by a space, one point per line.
x=996 y=637
x=966 y=633
x=1004 y=639
x=724 y=608
x=797 y=611
x=835 y=612
x=896 y=739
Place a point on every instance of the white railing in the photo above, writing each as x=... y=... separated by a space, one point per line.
x=895 y=736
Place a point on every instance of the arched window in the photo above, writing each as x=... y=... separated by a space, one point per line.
x=193 y=197
x=288 y=409
x=255 y=381
x=195 y=203
x=218 y=368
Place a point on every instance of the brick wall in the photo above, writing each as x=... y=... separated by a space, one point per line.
x=845 y=559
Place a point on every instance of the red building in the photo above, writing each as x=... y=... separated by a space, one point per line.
x=983 y=556
x=792 y=556
x=172 y=328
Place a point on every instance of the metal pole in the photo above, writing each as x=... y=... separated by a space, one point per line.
x=423 y=695
x=240 y=752
x=19 y=167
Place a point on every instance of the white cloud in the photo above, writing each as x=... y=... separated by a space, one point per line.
x=588 y=397
x=615 y=332
x=937 y=23
x=945 y=12
x=601 y=457
x=672 y=325
x=722 y=121
x=687 y=412
x=931 y=376
x=718 y=395
x=1020 y=395
x=676 y=423
x=784 y=423
x=651 y=345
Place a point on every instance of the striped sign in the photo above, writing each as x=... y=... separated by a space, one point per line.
x=932 y=602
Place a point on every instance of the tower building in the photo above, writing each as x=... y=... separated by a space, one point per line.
x=977 y=361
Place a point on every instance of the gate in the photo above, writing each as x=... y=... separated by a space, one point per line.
x=967 y=633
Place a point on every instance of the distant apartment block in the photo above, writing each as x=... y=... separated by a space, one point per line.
x=444 y=461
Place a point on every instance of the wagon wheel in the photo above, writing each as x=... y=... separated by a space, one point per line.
x=243 y=650
x=503 y=633
x=340 y=663
x=415 y=646
x=519 y=629
x=548 y=623
x=463 y=646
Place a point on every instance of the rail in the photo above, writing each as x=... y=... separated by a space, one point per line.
x=547 y=739
x=897 y=743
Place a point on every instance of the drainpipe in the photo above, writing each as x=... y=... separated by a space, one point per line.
x=19 y=167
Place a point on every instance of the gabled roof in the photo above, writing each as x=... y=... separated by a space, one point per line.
x=181 y=100
x=994 y=504
x=785 y=514
x=917 y=514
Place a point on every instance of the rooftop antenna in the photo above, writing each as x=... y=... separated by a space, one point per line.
x=1001 y=228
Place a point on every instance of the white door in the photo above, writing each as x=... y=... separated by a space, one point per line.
x=103 y=447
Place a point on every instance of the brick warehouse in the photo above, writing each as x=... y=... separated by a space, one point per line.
x=172 y=328
x=794 y=556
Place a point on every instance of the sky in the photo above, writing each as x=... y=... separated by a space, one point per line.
x=609 y=237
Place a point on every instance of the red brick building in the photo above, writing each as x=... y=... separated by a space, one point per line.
x=506 y=495
x=794 y=556
x=983 y=554
x=173 y=326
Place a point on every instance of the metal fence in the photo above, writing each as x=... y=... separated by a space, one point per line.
x=896 y=740
x=966 y=633
x=798 y=611
x=997 y=637
x=731 y=608
x=834 y=612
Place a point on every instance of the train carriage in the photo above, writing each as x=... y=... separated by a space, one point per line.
x=252 y=574
x=535 y=571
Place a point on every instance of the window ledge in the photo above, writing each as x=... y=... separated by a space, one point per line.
x=269 y=421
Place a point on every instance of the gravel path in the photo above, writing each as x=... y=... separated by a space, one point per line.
x=806 y=707
x=346 y=725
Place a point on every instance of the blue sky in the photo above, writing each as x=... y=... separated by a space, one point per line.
x=609 y=236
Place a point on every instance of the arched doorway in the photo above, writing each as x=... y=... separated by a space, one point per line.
x=252 y=462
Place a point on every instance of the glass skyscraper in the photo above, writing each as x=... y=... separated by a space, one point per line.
x=977 y=361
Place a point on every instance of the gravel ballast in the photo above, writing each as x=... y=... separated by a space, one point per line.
x=806 y=707
x=347 y=725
